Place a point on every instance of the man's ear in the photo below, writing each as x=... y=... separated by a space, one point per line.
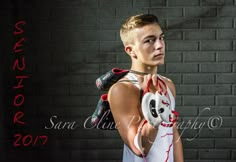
x=129 y=50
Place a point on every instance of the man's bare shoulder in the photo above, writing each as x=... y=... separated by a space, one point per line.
x=123 y=89
x=124 y=101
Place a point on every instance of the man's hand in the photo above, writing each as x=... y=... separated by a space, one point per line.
x=143 y=81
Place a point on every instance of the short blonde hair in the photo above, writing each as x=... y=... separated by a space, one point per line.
x=134 y=22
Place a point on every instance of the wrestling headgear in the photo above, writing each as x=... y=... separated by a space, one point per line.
x=156 y=107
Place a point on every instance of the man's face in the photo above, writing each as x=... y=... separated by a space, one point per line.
x=149 y=45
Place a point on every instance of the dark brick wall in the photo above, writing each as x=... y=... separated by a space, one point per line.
x=70 y=43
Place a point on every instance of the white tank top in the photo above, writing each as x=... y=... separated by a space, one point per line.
x=162 y=147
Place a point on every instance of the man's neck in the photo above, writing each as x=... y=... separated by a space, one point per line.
x=145 y=69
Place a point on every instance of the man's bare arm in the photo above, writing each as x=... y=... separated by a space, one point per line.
x=125 y=106
x=178 y=147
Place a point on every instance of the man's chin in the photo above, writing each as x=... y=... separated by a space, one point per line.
x=159 y=63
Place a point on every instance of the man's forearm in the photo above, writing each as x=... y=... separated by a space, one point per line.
x=178 y=147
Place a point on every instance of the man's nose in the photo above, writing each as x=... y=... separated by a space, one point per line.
x=159 y=44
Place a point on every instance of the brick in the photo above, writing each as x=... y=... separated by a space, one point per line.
x=233 y=155
x=75 y=100
x=93 y=35
x=217 y=89
x=182 y=45
x=117 y=3
x=215 y=111
x=83 y=90
x=71 y=58
x=167 y=12
x=66 y=14
x=49 y=79
x=226 y=100
x=100 y=58
x=199 y=35
x=226 y=78
x=111 y=46
x=122 y=57
x=162 y=69
x=233 y=132
x=188 y=133
x=110 y=24
x=234 y=89
x=215 y=133
x=186 y=111
x=80 y=23
x=214 y=154
x=198 y=78
x=158 y=3
x=228 y=122
x=190 y=154
x=181 y=67
x=66 y=4
x=213 y=23
x=183 y=3
x=234 y=45
x=173 y=35
x=71 y=112
x=125 y=12
x=229 y=34
x=226 y=56
x=34 y=12
x=40 y=35
x=186 y=89
x=219 y=45
x=215 y=67
x=233 y=111
x=182 y=23
x=88 y=79
x=176 y=78
x=178 y=101
x=53 y=68
x=198 y=100
x=225 y=144
x=98 y=134
x=216 y=2
x=234 y=24
x=95 y=154
x=83 y=144
x=38 y=100
x=199 y=144
x=54 y=91
x=105 y=12
x=88 y=46
x=199 y=12
x=141 y=3
x=227 y=11
x=84 y=68
x=42 y=156
x=173 y=57
x=198 y=56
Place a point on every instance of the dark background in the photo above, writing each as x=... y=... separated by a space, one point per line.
x=71 y=43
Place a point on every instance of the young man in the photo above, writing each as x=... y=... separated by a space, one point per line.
x=143 y=41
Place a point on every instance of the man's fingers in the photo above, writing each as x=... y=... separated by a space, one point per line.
x=154 y=80
x=143 y=81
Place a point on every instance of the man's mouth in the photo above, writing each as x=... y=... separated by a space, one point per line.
x=158 y=55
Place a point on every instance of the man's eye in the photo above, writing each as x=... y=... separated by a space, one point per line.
x=150 y=41
x=162 y=38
